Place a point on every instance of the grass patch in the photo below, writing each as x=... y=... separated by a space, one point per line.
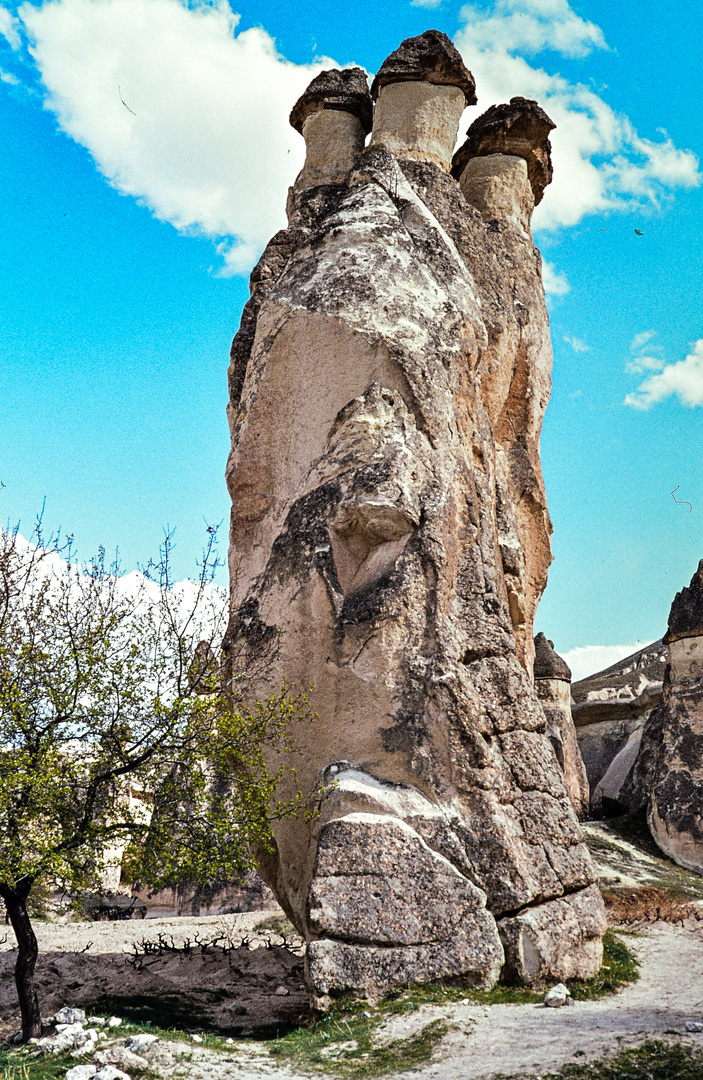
x=654 y=1060
x=342 y=1041
x=619 y=967
x=15 y=1066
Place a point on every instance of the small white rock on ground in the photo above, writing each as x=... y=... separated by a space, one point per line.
x=109 y=1072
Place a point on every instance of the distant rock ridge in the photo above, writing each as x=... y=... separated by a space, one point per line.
x=610 y=709
x=667 y=777
x=389 y=544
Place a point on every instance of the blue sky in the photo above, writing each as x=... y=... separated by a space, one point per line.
x=146 y=159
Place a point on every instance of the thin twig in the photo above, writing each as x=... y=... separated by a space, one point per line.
x=681 y=502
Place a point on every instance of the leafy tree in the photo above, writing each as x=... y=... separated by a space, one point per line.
x=116 y=739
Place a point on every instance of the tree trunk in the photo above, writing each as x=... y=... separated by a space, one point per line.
x=15 y=898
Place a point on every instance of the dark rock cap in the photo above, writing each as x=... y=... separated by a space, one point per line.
x=547 y=664
x=521 y=129
x=686 y=615
x=346 y=90
x=431 y=58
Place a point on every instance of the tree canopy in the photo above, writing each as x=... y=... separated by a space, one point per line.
x=118 y=744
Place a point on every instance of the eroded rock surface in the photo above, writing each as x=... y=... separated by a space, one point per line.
x=553 y=686
x=389 y=544
x=668 y=775
x=610 y=709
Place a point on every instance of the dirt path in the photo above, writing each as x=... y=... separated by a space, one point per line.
x=481 y=1042
x=509 y=1038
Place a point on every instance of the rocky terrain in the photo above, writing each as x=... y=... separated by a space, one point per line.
x=609 y=710
x=390 y=538
x=667 y=776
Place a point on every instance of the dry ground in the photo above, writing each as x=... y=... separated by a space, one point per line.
x=92 y=964
x=261 y=990
x=482 y=1040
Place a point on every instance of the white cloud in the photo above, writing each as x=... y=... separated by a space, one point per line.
x=589 y=659
x=600 y=161
x=641 y=339
x=207 y=145
x=644 y=363
x=9 y=29
x=203 y=140
x=431 y=4
x=530 y=26
x=684 y=379
x=555 y=284
x=576 y=344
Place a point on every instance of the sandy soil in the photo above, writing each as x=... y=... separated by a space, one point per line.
x=481 y=1042
x=258 y=989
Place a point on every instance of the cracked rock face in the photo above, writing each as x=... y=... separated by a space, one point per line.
x=389 y=544
x=668 y=774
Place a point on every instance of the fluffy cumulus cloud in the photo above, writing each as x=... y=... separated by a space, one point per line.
x=601 y=162
x=187 y=115
x=683 y=380
x=589 y=659
x=9 y=29
x=177 y=110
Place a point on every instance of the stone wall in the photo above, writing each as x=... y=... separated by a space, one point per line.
x=390 y=539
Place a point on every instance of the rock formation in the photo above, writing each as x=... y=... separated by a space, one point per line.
x=553 y=686
x=668 y=775
x=610 y=710
x=390 y=542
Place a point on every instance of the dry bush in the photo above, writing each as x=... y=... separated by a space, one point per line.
x=647 y=904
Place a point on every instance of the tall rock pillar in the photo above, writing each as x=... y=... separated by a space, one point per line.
x=389 y=542
x=668 y=774
x=553 y=686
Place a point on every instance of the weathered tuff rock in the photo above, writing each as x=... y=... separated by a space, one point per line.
x=668 y=774
x=430 y=57
x=553 y=686
x=610 y=710
x=389 y=544
x=344 y=91
x=520 y=129
x=421 y=92
x=334 y=117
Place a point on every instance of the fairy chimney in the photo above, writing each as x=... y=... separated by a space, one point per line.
x=668 y=773
x=553 y=686
x=334 y=118
x=389 y=543
x=421 y=91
